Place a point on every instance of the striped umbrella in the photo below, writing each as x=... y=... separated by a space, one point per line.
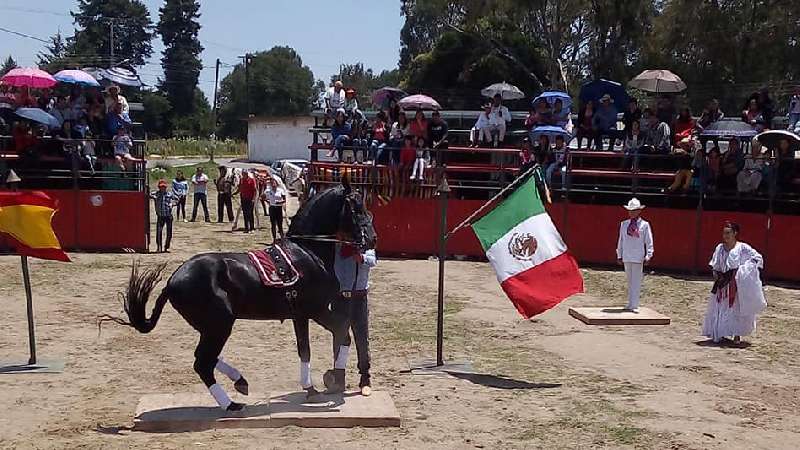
x=29 y=77
x=122 y=76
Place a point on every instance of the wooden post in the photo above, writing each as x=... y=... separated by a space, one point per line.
x=442 y=190
x=31 y=334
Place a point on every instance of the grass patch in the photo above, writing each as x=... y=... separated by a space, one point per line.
x=195 y=147
x=166 y=171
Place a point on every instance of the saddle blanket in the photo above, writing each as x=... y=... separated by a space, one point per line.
x=274 y=266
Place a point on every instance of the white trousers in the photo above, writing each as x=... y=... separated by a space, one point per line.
x=634 y=274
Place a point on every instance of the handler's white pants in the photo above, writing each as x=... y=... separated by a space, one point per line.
x=634 y=274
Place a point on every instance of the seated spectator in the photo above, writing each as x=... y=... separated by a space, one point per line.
x=794 y=110
x=334 y=100
x=714 y=163
x=634 y=140
x=542 y=152
x=585 y=127
x=699 y=168
x=122 y=148
x=419 y=126
x=350 y=102
x=766 y=106
x=665 y=110
x=400 y=129
x=380 y=136
x=711 y=113
x=632 y=114
x=117 y=119
x=730 y=165
x=749 y=178
x=753 y=116
x=360 y=136
x=786 y=166
x=685 y=130
x=61 y=111
x=560 y=116
x=82 y=126
x=393 y=111
x=113 y=97
x=683 y=177
x=23 y=137
x=500 y=118
x=45 y=100
x=422 y=154
x=480 y=133
x=604 y=123
x=88 y=152
x=559 y=161
x=24 y=99
x=408 y=153
x=69 y=138
x=437 y=133
x=341 y=133
x=76 y=102
x=658 y=139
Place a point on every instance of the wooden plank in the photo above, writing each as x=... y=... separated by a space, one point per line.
x=174 y=413
x=347 y=410
x=618 y=316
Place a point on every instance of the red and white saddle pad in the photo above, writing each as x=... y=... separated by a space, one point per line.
x=274 y=267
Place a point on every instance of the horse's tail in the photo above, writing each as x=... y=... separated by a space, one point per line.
x=134 y=299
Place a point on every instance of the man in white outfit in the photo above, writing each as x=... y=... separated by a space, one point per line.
x=634 y=250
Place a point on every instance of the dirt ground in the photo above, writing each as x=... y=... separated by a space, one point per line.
x=565 y=384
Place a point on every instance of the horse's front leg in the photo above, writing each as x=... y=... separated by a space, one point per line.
x=304 y=351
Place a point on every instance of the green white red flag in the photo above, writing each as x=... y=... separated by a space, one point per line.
x=527 y=253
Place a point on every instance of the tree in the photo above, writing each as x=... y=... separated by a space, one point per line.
x=97 y=20
x=156 y=114
x=179 y=26
x=364 y=81
x=53 y=58
x=280 y=85
x=200 y=123
x=8 y=64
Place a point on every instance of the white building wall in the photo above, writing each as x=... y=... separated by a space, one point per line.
x=274 y=138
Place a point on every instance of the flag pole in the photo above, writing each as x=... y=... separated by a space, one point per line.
x=468 y=221
x=26 y=278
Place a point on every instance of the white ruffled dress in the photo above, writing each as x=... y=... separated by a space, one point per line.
x=739 y=319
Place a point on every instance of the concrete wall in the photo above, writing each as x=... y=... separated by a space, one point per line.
x=271 y=138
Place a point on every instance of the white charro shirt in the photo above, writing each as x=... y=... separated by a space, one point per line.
x=632 y=249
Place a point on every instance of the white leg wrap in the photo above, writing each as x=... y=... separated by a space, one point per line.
x=220 y=396
x=341 y=358
x=305 y=375
x=228 y=370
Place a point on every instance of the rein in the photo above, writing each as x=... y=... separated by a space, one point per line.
x=320 y=238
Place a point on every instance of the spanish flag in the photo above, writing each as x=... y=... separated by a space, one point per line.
x=25 y=220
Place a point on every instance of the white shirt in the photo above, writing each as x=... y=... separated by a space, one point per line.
x=111 y=101
x=500 y=114
x=276 y=197
x=335 y=99
x=632 y=249
x=483 y=121
x=200 y=183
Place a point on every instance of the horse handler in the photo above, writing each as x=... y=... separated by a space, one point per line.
x=634 y=250
x=352 y=270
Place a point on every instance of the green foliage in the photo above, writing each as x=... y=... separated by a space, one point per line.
x=364 y=81
x=8 y=64
x=132 y=32
x=280 y=85
x=156 y=115
x=53 y=58
x=195 y=147
x=179 y=26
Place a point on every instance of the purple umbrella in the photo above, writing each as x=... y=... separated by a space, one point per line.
x=382 y=96
x=419 y=101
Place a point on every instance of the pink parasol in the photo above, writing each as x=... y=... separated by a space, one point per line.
x=419 y=102
x=28 y=77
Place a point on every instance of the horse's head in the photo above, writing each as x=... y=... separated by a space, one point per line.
x=355 y=221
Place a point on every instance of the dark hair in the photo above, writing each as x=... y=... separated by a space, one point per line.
x=560 y=137
x=408 y=137
x=732 y=225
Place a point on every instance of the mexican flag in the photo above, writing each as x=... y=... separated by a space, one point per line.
x=527 y=253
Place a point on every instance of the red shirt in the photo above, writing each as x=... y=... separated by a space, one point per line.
x=247 y=188
x=420 y=130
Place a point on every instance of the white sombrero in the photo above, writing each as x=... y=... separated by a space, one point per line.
x=634 y=204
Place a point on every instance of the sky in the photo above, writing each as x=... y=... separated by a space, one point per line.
x=366 y=31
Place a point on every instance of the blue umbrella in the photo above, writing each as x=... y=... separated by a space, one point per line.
x=593 y=90
x=76 y=77
x=38 y=115
x=550 y=130
x=551 y=97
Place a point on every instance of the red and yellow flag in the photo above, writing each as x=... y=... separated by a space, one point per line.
x=25 y=219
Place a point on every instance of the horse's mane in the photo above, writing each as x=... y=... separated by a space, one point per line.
x=320 y=212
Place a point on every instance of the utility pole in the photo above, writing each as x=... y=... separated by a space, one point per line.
x=216 y=88
x=247 y=57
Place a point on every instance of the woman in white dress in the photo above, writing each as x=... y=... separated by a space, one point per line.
x=737 y=296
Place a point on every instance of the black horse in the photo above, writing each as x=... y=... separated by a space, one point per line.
x=210 y=291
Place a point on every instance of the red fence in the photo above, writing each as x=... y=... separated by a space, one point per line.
x=409 y=226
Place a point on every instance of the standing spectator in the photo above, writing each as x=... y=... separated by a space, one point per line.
x=397 y=137
x=276 y=198
x=604 y=123
x=88 y=150
x=113 y=97
x=200 y=183
x=631 y=115
x=437 y=134
x=122 y=148
x=634 y=250
x=714 y=163
x=164 y=201
x=542 y=152
x=585 y=120
x=711 y=114
x=334 y=100
x=341 y=133
x=480 y=133
x=224 y=185
x=394 y=111
x=247 y=192
x=419 y=126
x=180 y=189
x=794 y=110
x=749 y=178
x=559 y=163
x=500 y=119
x=786 y=165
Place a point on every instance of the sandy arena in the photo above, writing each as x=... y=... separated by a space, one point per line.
x=568 y=385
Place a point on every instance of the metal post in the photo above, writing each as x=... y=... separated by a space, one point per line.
x=442 y=190
x=216 y=89
x=31 y=334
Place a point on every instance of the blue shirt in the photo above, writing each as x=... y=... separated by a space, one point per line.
x=605 y=118
x=180 y=188
x=353 y=276
x=341 y=130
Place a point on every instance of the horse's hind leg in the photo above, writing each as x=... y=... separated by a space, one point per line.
x=304 y=351
x=240 y=383
x=338 y=323
x=206 y=356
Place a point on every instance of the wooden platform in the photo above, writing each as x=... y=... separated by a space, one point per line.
x=169 y=413
x=618 y=316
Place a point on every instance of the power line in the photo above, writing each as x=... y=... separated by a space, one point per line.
x=24 y=35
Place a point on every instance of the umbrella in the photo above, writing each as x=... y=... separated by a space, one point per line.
x=658 y=81
x=30 y=77
x=122 y=76
x=38 y=115
x=76 y=77
x=507 y=91
x=772 y=138
x=551 y=97
x=419 y=101
x=551 y=131
x=729 y=128
x=593 y=90
x=383 y=95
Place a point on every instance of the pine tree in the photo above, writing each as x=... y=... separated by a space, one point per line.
x=179 y=26
x=96 y=20
x=53 y=58
x=8 y=65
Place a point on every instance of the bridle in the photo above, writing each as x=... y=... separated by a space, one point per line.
x=332 y=237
